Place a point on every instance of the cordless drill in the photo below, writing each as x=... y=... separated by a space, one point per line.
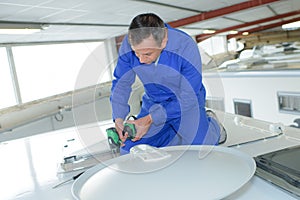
x=114 y=140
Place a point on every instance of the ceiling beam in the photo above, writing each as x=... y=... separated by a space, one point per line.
x=261 y=28
x=202 y=37
x=219 y=12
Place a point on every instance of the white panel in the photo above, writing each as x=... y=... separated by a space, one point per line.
x=22 y=2
x=62 y=15
x=200 y=5
x=30 y=14
x=66 y=4
x=7 y=10
x=285 y=6
x=252 y=14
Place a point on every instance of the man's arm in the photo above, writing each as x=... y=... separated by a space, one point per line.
x=124 y=77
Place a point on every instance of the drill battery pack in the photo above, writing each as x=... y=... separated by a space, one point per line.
x=113 y=139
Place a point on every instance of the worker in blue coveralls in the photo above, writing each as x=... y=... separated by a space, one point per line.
x=168 y=63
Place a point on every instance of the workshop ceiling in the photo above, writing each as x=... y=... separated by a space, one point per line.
x=74 y=20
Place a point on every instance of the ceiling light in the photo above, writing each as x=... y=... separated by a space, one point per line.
x=19 y=31
x=245 y=33
x=20 y=28
x=291 y=26
x=233 y=32
x=208 y=31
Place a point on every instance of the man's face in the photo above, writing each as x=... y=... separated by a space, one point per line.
x=148 y=50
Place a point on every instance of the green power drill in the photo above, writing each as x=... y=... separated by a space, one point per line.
x=113 y=138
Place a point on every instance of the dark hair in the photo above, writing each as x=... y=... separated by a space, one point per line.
x=145 y=25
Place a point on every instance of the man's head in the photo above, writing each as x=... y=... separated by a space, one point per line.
x=147 y=37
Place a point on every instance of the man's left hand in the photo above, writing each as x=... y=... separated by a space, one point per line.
x=142 y=126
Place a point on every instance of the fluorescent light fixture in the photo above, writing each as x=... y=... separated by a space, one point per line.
x=291 y=26
x=19 y=31
x=233 y=32
x=20 y=28
x=208 y=31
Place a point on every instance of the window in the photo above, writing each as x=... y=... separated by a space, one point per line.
x=289 y=102
x=242 y=107
x=214 y=45
x=47 y=70
x=6 y=85
x=216 y=103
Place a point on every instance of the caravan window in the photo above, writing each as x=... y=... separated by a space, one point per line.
x=242 y=107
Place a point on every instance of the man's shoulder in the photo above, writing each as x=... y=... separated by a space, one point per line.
x=178 y=39
x=125 y=47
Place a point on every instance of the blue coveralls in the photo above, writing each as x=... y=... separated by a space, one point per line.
x=174 y=94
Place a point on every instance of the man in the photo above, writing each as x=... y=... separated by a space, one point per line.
x=168 y=63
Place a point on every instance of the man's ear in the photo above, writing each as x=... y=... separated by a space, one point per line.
x=165 y=39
